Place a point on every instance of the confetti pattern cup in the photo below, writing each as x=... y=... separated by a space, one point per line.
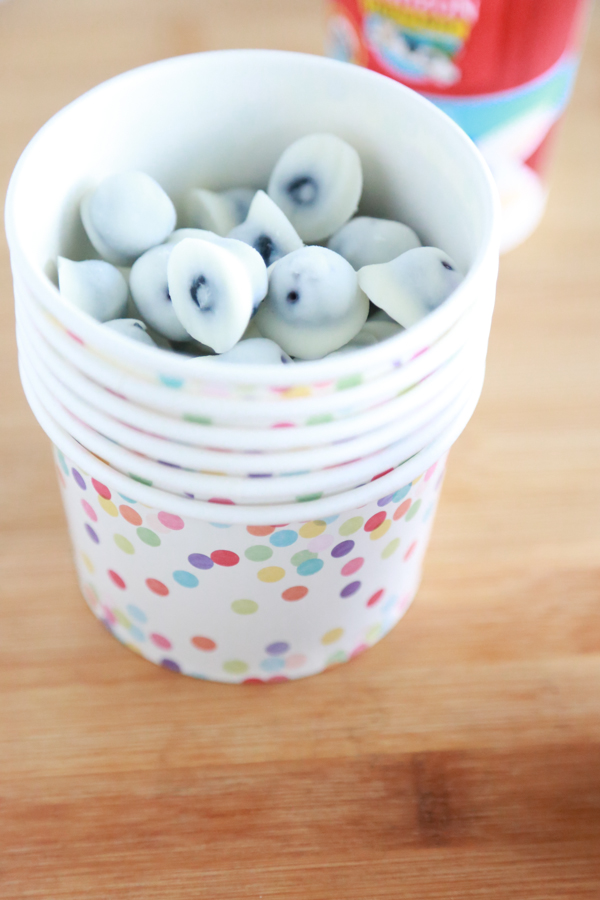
x=247 y=603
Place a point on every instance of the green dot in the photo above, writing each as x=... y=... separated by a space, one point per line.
x=148 y=537
x=258 y=553
x=244 y=607
x=391 y=548
x=349 y=381
x=123 y=544
x=198 y=420
x=320 y=420
x=301 y=556
x=351 y=525
x=413 y=511
x=235 y=667
x=307 y=497
x=140 y=479
x=336 y=658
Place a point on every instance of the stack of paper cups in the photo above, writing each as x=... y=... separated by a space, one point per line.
x=236 y=522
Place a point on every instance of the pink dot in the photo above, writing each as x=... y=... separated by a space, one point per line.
x=224 y=558
x=430 y=471
x=320 y=543
x=381 y=474
x=101 y=489
x=410 y=550
x=375 y=598
x=161 y=641
x=222 y=500
x=253 y=681
x=116 y=579
x=75 y=337
x=108 y=615
x=375 y=521
x=277 y=679
x=284 y=425
x=89 y=511
x=175 y=523
x=295 y=661
x=157 y=587
x=358 y=650
x=353 y=566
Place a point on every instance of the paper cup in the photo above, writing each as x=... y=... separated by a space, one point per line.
x=180 y=120
x=473 y=328
x=247 y=603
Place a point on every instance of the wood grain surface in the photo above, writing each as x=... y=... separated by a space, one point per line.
x=460 y=758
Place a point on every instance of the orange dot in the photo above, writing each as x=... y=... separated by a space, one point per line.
x=295 y=593
x=403 y=508
x=203 y=643
x=130 y=515
x=260 y=530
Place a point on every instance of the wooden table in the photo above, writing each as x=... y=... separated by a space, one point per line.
x=460 y=758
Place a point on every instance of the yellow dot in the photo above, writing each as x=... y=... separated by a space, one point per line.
x=244 y=607
x=134 y=648
x=374 y=633
x=299 y=390
x=332 y=636
x=418 y=478
x=391 y=548
x=313 y=529
x=88 y=563
x=383 y=529
x=123 y=544
x=271 y=573
x=121 y=619
x=108 y=506
x=235 y=667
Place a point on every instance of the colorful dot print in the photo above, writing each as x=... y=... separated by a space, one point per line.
x=254 y=604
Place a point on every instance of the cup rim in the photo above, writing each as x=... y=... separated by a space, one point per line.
x=306 y=371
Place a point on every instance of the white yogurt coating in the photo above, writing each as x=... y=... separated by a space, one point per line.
x=127 y=214
x=314 y=304
x=150 y=291
x=412 y=285
x=133 y=329
x=267 y=229
x=317 y=182
x=255 y=350
x=212 y=293
x=364 y=241
x=217 y=211
x=94 y=286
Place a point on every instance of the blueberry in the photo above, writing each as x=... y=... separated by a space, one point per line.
x=364 y=241
x=150 y=292
x=94 y=286
x=126 y=215
x=314 y=304
x=267 y=230
x=412 y=285
x=317 y=182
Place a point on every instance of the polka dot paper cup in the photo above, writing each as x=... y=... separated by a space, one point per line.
x=247 y=603
x=222 y=119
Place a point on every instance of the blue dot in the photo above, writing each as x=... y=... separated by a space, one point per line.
x=63 y=463
x=385 y=500
x=200 y=561
x=92 y=533
x=214 y=525
x=127 y=499
x=272 y=665
x=330 y=519
x=390 y=603
x=171 y=382
x=136 y=613
x=277 y=648
x=283 y=538
x=310 y=566
x=136 y=633
x=428 y=513
x=401 y=494
x=185 y=579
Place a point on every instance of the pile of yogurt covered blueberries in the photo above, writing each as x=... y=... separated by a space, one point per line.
x=260 y=277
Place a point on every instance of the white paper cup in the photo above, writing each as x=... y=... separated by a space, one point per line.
x=234 y=490
x=472 y=328
x=247 y=603
x=180 y=120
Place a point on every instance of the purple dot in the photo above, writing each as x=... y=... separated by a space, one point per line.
x=200 y=561
x=170 y=664
x=92 y=533
x=277 y=648
x=342 y=549
x=79 y=479
x=259 y=475
x=385 y=500
x=170 y=464
x=350 y=589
